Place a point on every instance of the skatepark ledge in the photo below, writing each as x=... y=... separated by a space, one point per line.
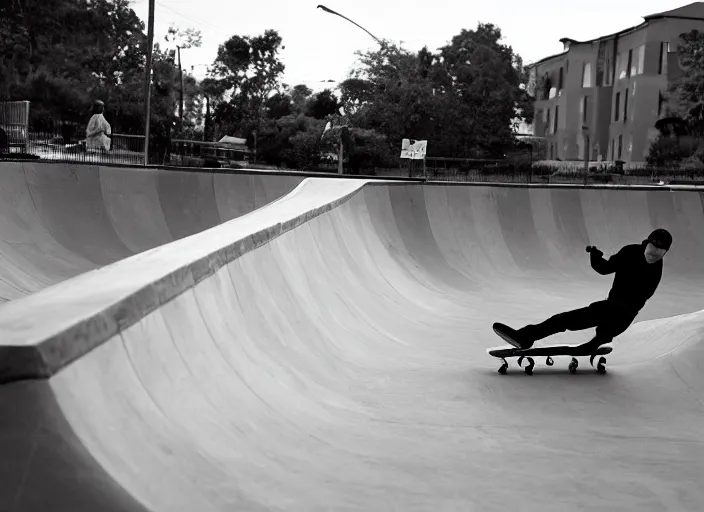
x=128 y=290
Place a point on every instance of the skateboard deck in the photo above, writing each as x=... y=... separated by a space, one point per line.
x=548 y=351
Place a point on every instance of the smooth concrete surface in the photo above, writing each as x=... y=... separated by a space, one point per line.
x=59 y=220
x=74 y=321
x=341 y=365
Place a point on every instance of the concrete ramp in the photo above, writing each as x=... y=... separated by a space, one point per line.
x=328 y=353
x=60 y=220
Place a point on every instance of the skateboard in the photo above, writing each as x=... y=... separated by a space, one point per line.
x=547 y=352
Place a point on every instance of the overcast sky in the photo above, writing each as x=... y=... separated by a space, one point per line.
x=320 y=46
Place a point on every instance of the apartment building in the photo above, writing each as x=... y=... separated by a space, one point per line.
x=604 y=96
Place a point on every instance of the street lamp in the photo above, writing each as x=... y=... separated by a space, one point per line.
x=346 y=18
x=340 y=154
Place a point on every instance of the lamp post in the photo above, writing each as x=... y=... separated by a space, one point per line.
x=340 y=152
x=346 y=18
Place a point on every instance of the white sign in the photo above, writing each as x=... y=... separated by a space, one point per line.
x=414 y=149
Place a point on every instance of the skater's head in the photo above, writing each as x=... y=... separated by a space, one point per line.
x=657 y=244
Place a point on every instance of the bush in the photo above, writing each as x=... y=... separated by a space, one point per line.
x=669 y=151
x=304 y=153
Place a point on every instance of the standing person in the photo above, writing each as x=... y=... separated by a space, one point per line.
x=638 y=269
x=98 y=129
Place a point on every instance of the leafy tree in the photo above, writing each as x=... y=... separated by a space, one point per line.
x=688 y=89
x=248 y=70
x=322 y=104
x=299 y=97
x=61 y=54
x=184 y=40
x=464 y=99
x=304 y=151
x=279 y=105
x=680 y=141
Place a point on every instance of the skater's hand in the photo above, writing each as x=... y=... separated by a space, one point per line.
x=594 y=251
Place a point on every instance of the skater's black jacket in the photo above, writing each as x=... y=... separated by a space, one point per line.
x=635 y=281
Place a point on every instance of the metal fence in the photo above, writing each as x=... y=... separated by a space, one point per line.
x=65 y=142
x=60 y=141
x=124 y=149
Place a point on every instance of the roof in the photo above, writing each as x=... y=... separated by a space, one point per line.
x=693 y=11
x=232 y=140
x=545 y=59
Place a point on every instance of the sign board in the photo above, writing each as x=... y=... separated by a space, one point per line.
x=414 y=149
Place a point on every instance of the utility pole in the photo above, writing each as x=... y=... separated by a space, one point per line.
x=180 y=110
x=148 y=81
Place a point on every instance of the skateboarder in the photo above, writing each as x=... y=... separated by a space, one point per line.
x=638 y=269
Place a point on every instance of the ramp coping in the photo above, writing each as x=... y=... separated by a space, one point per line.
x=46 y=331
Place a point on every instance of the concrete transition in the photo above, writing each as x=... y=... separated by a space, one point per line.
x=327 y=351
x=59 y=220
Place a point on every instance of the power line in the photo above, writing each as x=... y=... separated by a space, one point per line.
x=194 y=18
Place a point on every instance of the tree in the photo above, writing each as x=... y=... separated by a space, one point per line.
x=279 y=105
x=464 y=99
x=322 y=104
x=486 y=77
x=183 y=40
x=299 y=97
x=248 y=69
x=681 y=134
x=688 y=89
x=62 y=54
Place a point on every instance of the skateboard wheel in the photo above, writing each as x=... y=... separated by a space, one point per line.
x=531 y=365
x=601 y=366
x=503 y=369
x=549 y=361
x=573 y=365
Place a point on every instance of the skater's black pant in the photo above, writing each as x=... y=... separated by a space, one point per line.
x=610 y=319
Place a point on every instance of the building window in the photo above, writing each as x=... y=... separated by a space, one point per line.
x=662 y=68
x=640 y=54
x=548 y=126
x=554 y=121
x=613 y=146
x=621 y=66
x=625 y=107
x=559 y=80
x=585 y=103
x=587 y=74
x=547 y=85
x=608 y=71
x=617 y=110
x=620 y=146
x=629 y=66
